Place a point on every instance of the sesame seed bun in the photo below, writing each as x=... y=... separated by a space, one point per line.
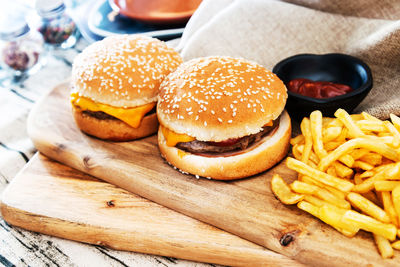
x=269 y=151
x=123 y=71
x=217 y=98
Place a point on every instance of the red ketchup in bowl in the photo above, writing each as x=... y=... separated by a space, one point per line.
x=319 y=89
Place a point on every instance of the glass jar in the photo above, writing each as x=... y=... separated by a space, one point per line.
x=20 y=48
x=55 y=25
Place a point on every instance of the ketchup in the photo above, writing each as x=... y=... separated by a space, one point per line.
x=318 y=89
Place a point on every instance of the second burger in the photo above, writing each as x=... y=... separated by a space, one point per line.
x=115 y=84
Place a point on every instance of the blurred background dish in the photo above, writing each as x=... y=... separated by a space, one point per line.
x=156 y=11
x=103 y=21
x=336 y=68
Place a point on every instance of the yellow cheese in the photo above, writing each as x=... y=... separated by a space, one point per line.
x=173 y=138
x=269 y=123
x=131 y=116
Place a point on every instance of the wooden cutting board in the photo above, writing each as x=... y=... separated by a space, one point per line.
x=54 y=199
x=246 y=208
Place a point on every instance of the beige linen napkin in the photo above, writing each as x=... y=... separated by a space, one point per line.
x=268 y=31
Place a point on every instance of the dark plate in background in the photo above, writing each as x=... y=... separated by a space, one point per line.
x=96 y=20
x=156 y=11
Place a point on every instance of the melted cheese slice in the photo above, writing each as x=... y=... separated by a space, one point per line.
x=173 y=138
x=131 y=116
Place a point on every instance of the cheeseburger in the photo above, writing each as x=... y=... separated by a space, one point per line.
x=223 y=118
x=115 y=83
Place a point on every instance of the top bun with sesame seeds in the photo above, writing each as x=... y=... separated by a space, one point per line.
x=115 y=83
x=222 y=111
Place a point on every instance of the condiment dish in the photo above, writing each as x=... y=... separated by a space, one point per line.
x=336 y=68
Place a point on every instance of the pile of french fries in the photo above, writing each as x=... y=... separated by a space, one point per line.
x=348 y=175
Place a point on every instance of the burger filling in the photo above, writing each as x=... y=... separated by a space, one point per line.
x=131 y=116
x=230 y=145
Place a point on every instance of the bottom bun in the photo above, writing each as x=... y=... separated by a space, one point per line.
x=115 y=130
x=269 y=151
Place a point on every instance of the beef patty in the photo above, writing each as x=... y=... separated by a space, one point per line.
x=235 y=145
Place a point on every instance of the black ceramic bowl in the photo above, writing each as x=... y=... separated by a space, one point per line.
x=336 y=68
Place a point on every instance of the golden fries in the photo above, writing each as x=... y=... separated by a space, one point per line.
x=282 y=191
x=316 y=133
x=369 y=224
x=348 y=175
x=389 y=207
x=386 y=185
x=346 y=119
x=368 y=207
x=345 y=148
x=384 y=246
x=322 y=177
x=306 y=130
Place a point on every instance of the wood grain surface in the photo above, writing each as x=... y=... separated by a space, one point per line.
x=54 y=199
x=245 y=208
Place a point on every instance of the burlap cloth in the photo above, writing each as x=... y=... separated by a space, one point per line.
x=268 y=31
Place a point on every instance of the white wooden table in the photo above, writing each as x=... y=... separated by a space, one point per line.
x=23 y=248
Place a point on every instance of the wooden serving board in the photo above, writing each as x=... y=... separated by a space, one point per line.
x=54 y=199
x=246 y=208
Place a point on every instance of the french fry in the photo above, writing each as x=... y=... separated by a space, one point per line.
x=324 y=178
x=282 y=191
x=334 y=191
x=330 y=133
x=368 y=207
x=380 y=148
x=396 y=121
x=296 y=152
x=316 y=133
x=367 y=174
x=304 y=188
x=317 y=201
x=308 y=207
x=396 y=201
x=386 y=185
x=332 y=145
x=369 y=125
x=372 y=225
x=297 y=140
x=356 y=117
x=331 y=122
x=389 y=208
x=324 y=194
x=394 y=132
x=347 y=160
x=306 y=130
x=343 y=135
x=384 y=246
x=345 y=118
x=358 y=153
x=331 y=171
x=372 y=158
x=334 y=217
x=369 y=183
x=341 y=170
x=367 y=116
x=396 y=245
x=362 y=165
x=357 y=179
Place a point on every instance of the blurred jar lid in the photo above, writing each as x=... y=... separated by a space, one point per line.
x=12 y=24
x=49 y=8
